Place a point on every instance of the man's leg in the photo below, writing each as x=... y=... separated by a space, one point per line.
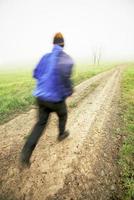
x=35 y=134
x=62 y=114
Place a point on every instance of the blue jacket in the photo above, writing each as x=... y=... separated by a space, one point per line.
x=53 y=76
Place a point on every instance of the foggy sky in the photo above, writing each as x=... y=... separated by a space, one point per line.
x=27 y=28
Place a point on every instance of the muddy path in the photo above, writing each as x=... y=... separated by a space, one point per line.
x=80 y=167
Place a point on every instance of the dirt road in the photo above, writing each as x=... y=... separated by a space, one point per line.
x=82 y=166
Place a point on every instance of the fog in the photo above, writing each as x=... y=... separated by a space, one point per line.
x=27 y=28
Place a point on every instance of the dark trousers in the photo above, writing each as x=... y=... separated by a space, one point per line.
x=45 y=108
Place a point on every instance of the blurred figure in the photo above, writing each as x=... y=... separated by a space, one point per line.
x=53 y=87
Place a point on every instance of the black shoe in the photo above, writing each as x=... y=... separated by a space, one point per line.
x=63 y=136
x=24 y=163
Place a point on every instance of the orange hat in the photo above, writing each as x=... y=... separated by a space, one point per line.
x=58 y=39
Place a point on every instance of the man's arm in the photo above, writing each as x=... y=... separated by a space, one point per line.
x=40 y=68
x=36 y=72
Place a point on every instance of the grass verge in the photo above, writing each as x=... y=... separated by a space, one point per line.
x=16 y=88
x=127 y=150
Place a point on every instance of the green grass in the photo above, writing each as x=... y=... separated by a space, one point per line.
x=16 y=87
x=127 y=150
x=15 y=93
x=84 y=71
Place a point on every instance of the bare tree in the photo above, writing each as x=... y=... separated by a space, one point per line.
x=99 y=56
x=96 y=56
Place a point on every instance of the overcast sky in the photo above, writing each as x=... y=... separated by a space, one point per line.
x=27 y=28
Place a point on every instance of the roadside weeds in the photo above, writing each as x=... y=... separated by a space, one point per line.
x=126 y=154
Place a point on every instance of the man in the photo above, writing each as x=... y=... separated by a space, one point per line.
x=53 y=87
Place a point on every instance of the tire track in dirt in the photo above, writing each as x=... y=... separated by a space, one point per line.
x=52 y=161
x=94 y=175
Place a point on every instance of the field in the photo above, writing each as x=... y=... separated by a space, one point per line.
x=95 y=161
x=15 y=93
x=127 y=150
x=16 y=88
